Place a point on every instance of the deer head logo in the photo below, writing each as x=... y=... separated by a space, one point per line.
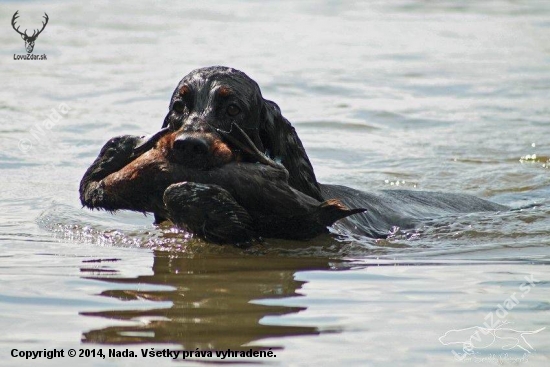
x=29 y=40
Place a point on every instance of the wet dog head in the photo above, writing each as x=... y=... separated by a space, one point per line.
x=208 y=102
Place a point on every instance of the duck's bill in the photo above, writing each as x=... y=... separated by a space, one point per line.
x=149 y=141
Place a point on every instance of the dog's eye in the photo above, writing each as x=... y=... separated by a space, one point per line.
x=178 y=106
x=233 y=110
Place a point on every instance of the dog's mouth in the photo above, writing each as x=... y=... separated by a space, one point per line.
x=197 y=151
x=205 y=150
x=191 y=150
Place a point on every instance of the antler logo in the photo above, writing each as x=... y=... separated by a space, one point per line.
x=29 y=40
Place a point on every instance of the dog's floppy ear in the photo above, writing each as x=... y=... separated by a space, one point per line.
x=282 y=143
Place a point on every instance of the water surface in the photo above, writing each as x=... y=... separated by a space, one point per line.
x=419 y=95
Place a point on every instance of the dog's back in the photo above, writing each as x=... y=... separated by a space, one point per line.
x=401 y=208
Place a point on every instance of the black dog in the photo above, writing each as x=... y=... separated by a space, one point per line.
x=206 y=108
x=211 y=99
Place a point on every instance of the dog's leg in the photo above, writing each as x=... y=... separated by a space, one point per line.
x=209 y=211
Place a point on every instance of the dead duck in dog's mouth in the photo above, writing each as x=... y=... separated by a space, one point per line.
x=220 y=198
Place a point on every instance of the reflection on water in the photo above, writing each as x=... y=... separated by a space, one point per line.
x=212 y=301
x=296 y=305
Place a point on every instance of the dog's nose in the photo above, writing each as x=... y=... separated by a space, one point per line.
x=191 y=145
